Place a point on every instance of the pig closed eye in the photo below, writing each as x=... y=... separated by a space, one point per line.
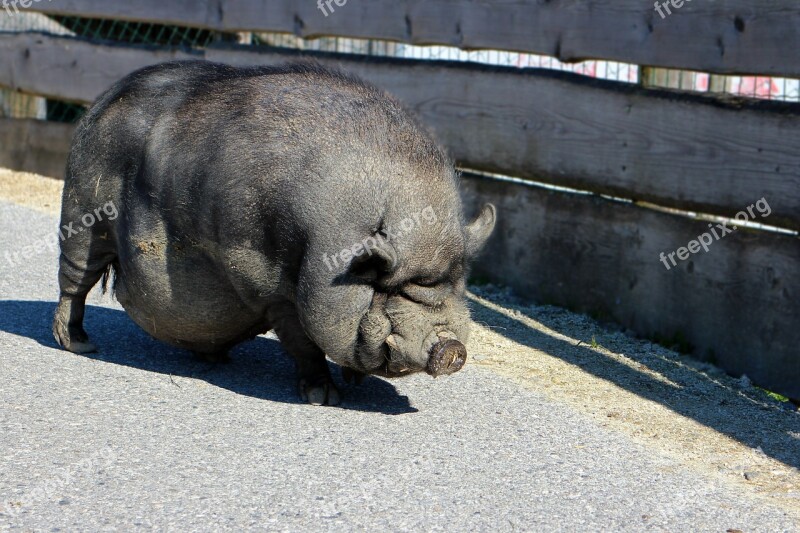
x=429 y=295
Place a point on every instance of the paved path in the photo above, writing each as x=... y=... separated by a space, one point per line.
x=141 y=436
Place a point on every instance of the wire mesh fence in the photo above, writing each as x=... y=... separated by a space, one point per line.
x=27 y=106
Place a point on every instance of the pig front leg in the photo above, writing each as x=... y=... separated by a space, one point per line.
x=314 y=380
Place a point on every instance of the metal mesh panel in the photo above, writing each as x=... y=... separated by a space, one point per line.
x=137 y=32
x=26 y=106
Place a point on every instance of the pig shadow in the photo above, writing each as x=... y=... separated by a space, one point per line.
x=258 y=368
x=715 y=405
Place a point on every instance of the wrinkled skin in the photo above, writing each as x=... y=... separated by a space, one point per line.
x=236 y=187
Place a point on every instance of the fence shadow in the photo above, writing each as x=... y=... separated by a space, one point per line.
x=258 y=368
x=717 y=411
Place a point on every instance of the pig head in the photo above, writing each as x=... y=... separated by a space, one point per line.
x=391 y=301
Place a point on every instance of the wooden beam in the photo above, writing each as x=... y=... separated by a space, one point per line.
x=731 y=37
x=668 y=148
x=35 y=146
x=736 y=304
x=30 y=63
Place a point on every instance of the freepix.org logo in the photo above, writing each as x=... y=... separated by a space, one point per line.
x=323 y=4
x=665 y=6
x=718 y=231
x=367 y=245
x=9 y=4
x=50 y=242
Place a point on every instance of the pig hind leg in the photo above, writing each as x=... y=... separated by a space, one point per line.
x=314 y=380
x=86 y=256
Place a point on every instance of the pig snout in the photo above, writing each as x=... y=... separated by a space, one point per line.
x=446 y=356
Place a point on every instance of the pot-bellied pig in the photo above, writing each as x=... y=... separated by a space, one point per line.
x=292 y=198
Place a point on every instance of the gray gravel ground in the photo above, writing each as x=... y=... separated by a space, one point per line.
x=142 y=436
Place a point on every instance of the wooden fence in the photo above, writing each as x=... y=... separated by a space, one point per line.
x=738 y=303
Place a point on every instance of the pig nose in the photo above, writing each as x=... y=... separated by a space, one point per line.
x=446 y=357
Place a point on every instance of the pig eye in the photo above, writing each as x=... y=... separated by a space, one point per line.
x=431 y=295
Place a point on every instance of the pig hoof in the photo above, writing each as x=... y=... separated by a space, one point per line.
x=75 y=341
x=352 y=376
x=319 y=392
x=82 y=347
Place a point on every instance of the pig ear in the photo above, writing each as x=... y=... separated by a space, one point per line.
x=478 y=230
x=377 y=261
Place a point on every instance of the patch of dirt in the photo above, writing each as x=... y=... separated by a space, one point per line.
x=690 y=410
x=151 y=248
x=31 y=190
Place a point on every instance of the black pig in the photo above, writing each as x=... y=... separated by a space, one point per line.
x=291 y=198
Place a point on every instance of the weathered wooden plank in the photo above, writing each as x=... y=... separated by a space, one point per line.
x=680 y=151
x=193 y=13
x=737 y=304
x=35 y=146
x=31 y=63
x=733 y=37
